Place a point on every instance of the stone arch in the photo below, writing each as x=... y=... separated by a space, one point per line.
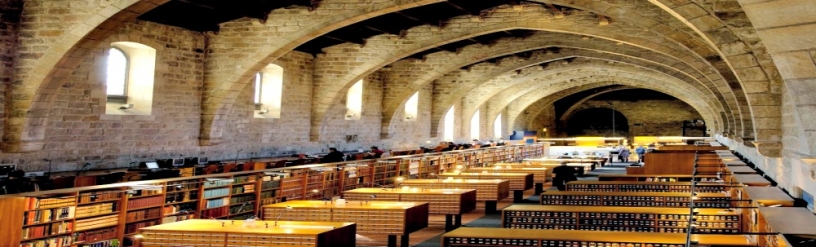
x=515 y=86
x=327 y=89
x=439 y=67
x=575 y=106
x=25 y=128
x=535 y=100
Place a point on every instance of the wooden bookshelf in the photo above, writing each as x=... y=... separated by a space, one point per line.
x=112 y=213
x=378 y=217
x=489 y=191
x=482 y=237
x=234 y=233
x=657 y=178
x=622 y=219
x=636 y=199
x=633 y=186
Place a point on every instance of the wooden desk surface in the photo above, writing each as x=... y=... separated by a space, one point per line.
x=741 y=170
x=600 y=236
x=378 y=205
x=604 y=193
x=510 y=168
x=415 y=191
x=616 y=209
x=236 y=226
x=769 y=196
x=790 y=220
x=734 y=163
x=454 y=181
x=482 y=174
x=751 y=179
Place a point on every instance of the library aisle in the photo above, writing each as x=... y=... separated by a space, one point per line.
x=430 y=237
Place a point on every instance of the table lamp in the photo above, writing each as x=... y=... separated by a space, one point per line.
x=287 y=208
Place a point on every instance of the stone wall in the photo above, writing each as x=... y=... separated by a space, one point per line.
x=9 y=26
x=649 y=117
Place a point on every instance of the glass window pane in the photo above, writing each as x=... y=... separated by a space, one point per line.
x=117 y=72
x=258 y=88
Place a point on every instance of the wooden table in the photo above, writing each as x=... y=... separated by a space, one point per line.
x=583 y=166
x=767 y=196
x=751 y=180
x=519 y=182
x=489 y=191
x=734 y=163
x=540 y=174
x=450 y=202
x=198 y=232
x=471 y=236
x=787 y=221
x=378 y=217
x=740 y=170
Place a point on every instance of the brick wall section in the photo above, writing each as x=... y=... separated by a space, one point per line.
x=9 y=26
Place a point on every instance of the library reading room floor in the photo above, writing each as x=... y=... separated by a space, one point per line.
x=429 y=237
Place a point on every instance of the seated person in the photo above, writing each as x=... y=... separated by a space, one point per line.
x=18 y=183
x=375 y=153
x=333 y=156
x=443 y=146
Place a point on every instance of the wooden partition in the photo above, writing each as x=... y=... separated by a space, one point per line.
x=660 y=162
x=691 y=148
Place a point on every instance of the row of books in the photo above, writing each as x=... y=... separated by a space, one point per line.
x=46 y=215
x=95 y=235
x=84 y=224
x=106 y=243
x=244 y=179
x=44 y=203
x=145 y=202
x=98 y=196
x=144 y=214
x=176 y=218
x=47 y=229
x=216 y=193
x=131 y=228
x=173 y=209
x=96 y=209
x=217 y=183
x=63 y=241
x=247 y=188
x=214 y=203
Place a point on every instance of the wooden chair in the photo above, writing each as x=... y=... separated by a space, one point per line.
x=229 y=167
x=247 y=166
x=359 y=156
x=210 y=169
x=280 y=163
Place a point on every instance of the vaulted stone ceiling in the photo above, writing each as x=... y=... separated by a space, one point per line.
x=500 y=55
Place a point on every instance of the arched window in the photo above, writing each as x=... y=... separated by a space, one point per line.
x=354 y=101
x=411 y=107
x=497 y=127
x=129 y=78
x=474 y=126
x=447 y=132
x=117 y=73
x=268 y=92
